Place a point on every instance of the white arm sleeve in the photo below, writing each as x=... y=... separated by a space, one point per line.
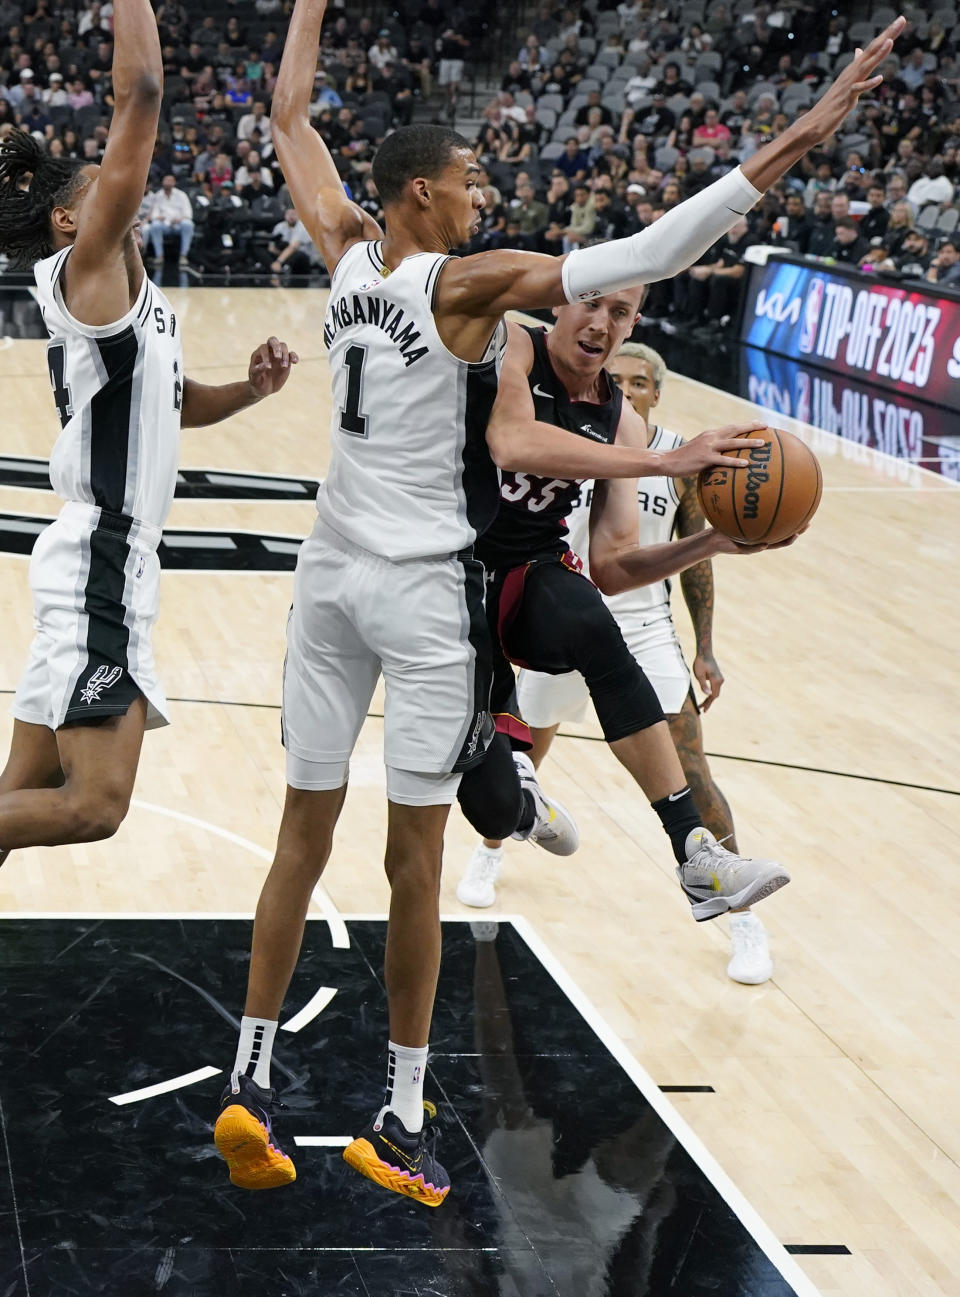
x=664 y=249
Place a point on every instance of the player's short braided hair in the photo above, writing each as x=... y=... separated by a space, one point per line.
x=640 y=351
x=413 y=151
x=32 y=184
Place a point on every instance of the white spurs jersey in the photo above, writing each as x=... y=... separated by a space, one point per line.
x=118 y=390
x=657 y=500
x=410 y=474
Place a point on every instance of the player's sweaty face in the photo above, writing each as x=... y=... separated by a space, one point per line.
x=589 y=333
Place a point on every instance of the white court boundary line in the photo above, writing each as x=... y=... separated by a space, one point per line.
x=165 y=1087
x=322 y=1141
x=321 y=897
x=312 y=1009
x=748 y=1216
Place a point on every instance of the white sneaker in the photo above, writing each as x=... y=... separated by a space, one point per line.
x=555 y=828
x=477 y=887
x=715 y=880
x=750 y=960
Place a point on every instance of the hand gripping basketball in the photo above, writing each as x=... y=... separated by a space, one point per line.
x=708 y=449
x=773 y=500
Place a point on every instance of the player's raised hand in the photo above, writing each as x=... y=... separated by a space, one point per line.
x=706 y=451
x=270 y=366
x=857 y=78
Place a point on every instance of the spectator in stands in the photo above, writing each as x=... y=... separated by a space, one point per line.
x=610 y=221
x=252 y=167
x=558 y=212
x=873 y=225
x=593 y=113
x=295 y=253
x=822 y=181
x=171 y=213
x=820 y=240
x=256 y=119
x=453 y=48
x=849 y=246
x=325 y=95
x=671 y=83
x=582 y=220
x=899 y=226
x=934 y=187
x=795 y=226
x=516 y=79
x=711 y=130
x=944 y=269
x=382 y=51
x=573 y=162
x=913 y=259
x=529 y=212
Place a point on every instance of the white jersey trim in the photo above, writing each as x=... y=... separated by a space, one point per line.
x=96 y=330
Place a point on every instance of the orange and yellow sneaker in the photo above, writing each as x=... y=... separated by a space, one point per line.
x=244 y=1139
x=388 y=1154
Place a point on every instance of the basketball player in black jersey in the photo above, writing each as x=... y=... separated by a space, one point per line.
x=76 y=743
x=427 y=181
x=546 y=616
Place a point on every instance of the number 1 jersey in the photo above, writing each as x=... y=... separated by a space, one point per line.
x=118 y=390
x=410 y=475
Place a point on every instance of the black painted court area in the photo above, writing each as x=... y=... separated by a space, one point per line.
x=565 y=1182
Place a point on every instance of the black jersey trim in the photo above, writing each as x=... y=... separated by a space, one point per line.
x=110 y=419
x=145 y=308
x=104 y=686
x=377 y=264
x=58 y=268
x=481 y=727
x=433 y=279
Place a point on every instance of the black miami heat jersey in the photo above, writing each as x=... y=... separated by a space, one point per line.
x=531 y=520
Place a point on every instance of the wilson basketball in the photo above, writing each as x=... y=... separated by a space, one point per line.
x=771 y=498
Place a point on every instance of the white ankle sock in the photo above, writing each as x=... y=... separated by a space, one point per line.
x=254 y=1052
x=405 y=1073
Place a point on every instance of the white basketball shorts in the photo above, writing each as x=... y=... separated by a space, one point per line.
x=547 y=700
x=95 y=578
x=419 y=623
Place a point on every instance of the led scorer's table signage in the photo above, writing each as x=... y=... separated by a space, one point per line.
x=901 y=336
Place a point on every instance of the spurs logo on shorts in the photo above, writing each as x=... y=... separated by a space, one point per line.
x=103 y=678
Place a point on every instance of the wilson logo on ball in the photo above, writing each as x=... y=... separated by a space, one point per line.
x=769 y=499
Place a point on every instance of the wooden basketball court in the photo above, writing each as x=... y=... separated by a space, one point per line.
x=836 y=742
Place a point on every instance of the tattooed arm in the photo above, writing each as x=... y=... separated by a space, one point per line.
x=697 y=586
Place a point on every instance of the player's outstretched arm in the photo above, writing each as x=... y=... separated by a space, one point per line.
x=493 y=282
x=270 y=367
x=519 y=443
x=617 y=561
x=332 y=220
x=98 y=287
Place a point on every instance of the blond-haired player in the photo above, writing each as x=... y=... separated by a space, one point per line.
x=666 y=507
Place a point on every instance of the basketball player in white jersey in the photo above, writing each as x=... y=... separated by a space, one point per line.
x=116 y=366
x=666 y=507
x=386 y=583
